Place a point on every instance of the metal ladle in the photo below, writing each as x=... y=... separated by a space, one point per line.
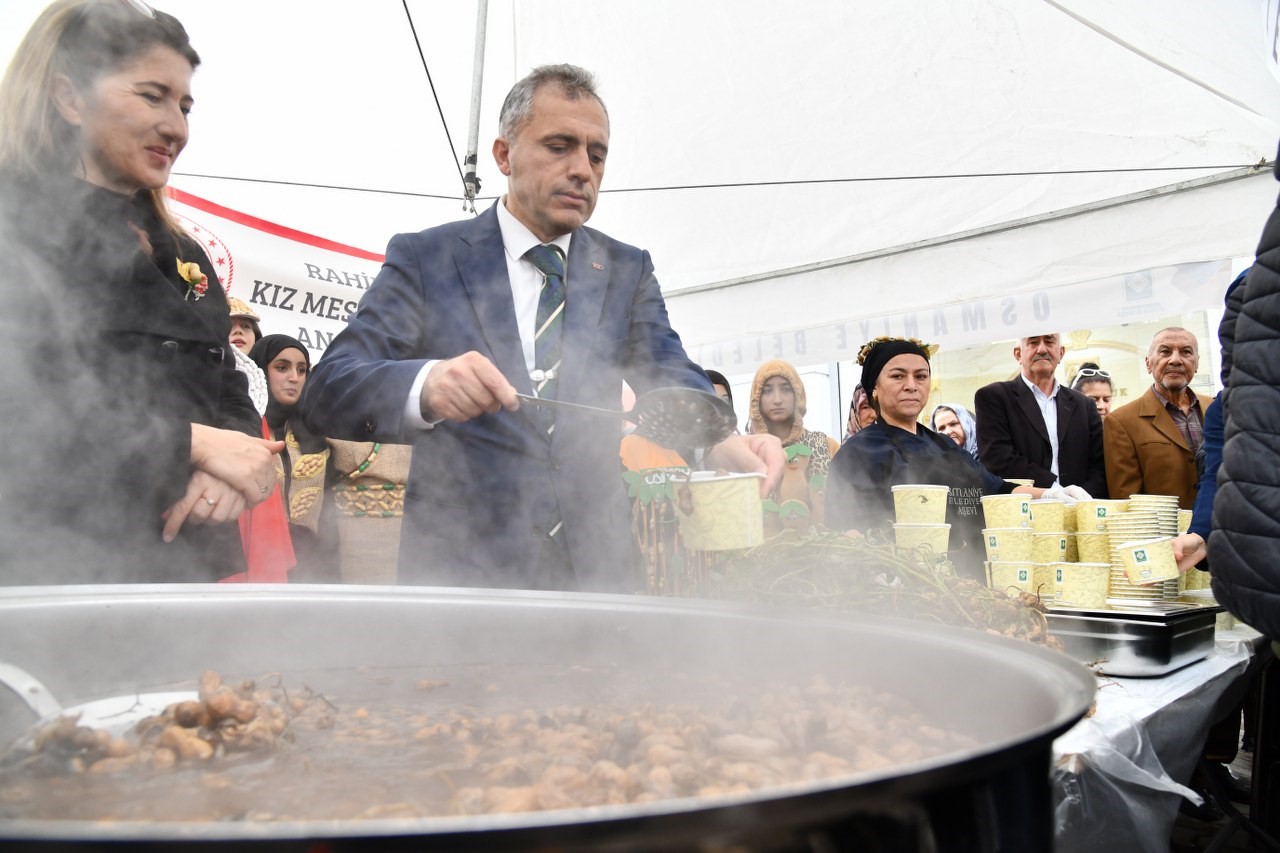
x=116 y=714
x=674 y=418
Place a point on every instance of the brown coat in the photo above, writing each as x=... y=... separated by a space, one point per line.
x=1146 y=453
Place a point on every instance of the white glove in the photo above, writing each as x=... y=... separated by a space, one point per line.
x=1059 y=494
x=1077 y=493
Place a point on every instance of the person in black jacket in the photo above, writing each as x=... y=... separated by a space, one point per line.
x=128 y=443
x=1245 y=541
x=1015 y=440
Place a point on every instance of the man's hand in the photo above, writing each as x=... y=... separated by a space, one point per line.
x=238 y=460
x=750 y=454
x=465 y=387
x=1189 y=549
x=208 y=500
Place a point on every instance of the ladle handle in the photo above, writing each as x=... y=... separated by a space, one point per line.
x=573 y=407
x=29 y=689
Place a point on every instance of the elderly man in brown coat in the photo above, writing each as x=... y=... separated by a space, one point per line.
x=1151 y=442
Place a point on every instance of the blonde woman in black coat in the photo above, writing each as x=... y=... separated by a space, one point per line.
x=128 y=444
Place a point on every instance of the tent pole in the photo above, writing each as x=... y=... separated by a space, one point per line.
x=470 y=180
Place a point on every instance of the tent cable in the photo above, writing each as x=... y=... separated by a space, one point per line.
x=439 y=110
x=1259 y=166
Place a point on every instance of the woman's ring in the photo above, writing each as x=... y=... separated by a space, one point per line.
x=262 y=490
x=210 y=501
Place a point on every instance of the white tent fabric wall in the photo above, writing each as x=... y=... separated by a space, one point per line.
x=871 y=109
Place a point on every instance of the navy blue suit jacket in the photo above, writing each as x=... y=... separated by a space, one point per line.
x=482 y=495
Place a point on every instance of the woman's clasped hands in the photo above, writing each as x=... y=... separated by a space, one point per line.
x=233 y=471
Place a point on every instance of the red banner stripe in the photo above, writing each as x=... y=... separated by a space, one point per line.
x=269 y=227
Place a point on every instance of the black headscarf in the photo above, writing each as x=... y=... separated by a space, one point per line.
x=881 y=353
x=280 y=416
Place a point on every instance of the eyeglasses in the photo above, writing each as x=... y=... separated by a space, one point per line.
x=1089 y=371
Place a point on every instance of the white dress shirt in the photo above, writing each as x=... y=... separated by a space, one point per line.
x=526 y=284
x=1049 y=411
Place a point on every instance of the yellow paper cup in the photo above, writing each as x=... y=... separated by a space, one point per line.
x=932 y=537
x=1007 y=510
x=1196 y=579
x=1085 y=585
x=1149 y=561
x=1048 y=515
x=1044 y=580
x=1073 y=548
x=1092 y=515
x=1184 y=520
x=920 y=504
x=1008 y=544
x=1048 y=547
x=1010 y=577
x=1093 y=547
x=725 y=512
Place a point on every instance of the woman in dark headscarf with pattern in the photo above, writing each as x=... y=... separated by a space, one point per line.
x=304 y=469
x=897 y=449
x=861 y=415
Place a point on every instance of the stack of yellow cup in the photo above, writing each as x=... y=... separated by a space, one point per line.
x=921 y=513
x=1009 y=566
x=1009 y=539
x=1050 y=546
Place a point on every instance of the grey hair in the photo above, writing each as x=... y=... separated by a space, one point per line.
x=573 y=82
x=1151 y=347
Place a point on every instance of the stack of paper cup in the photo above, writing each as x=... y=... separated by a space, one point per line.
x=1184 y=520
x=1165 y=508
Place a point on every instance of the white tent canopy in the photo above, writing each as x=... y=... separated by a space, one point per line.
x=793 y=168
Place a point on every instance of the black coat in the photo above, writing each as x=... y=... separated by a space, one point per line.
x=1013 y=442
x=1244 y=548
x=106 y=364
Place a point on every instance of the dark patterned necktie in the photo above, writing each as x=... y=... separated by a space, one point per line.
x=549 y=332
x=547 y=337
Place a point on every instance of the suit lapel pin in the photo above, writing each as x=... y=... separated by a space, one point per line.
x=600 y=267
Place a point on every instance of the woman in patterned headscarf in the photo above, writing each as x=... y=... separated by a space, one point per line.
x=955 y=422
x=778 y=407
x=304 y=468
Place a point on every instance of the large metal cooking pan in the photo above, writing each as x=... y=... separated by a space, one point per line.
x=88 y=643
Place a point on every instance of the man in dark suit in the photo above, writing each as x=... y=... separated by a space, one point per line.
x=1033 y=428
x=501 y=495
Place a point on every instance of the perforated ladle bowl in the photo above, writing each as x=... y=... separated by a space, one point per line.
x=675 y=418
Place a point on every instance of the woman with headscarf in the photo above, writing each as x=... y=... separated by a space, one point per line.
x=778 y=406
x=304 y=472
x=897 y=449
x=130 y=443
x=861 y=415
x=955 y=422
